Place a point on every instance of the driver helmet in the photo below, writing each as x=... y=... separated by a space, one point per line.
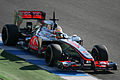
x=59 y=29
x=48 y=23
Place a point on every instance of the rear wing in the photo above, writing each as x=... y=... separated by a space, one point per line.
x=22 y=14
x=32 y=14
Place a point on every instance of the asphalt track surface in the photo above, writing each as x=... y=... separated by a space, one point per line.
x=97 y=21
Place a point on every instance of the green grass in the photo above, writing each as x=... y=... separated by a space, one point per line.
x=14 y=68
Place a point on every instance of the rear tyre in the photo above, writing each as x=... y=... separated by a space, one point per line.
x=100 y=53
x=53 y=53
x=10 y=34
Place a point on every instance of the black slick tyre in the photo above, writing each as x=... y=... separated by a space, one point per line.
x=10 y=34
x=100 y=53
x=53 y=53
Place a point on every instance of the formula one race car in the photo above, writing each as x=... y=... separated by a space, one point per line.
x=60 y=50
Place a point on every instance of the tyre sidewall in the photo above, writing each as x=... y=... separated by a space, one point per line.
x=12 y=34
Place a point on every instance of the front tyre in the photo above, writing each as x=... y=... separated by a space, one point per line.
x=53 y=53
x=100 y=53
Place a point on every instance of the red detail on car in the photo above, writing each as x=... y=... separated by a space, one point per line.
x=101 y=64
x=34 y=43
x=74 y=66
x=65 y=61
x=44 y=48
x=31 y=14
x=74 y=44
x=83 y=56
x=84 y=52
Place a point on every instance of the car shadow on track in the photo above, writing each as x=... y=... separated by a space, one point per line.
x=31 y=67
x=8 y=56
x=98 y=72
x=11 y=57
